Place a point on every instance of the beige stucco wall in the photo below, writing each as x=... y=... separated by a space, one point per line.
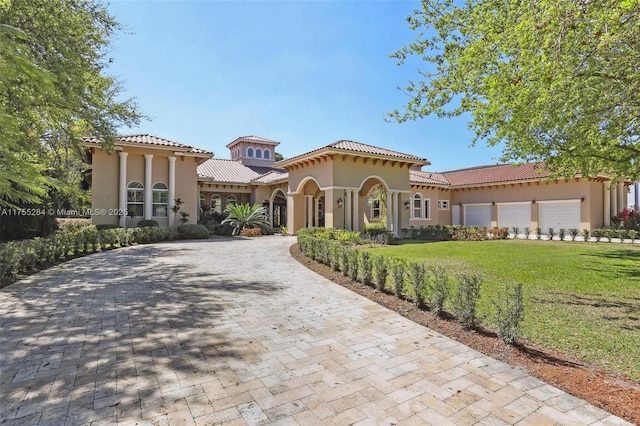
x=106 y=175
x=438 y=216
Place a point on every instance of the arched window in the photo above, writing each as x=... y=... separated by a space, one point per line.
x=267 y=154
x=135 y=199
x=160 y=200
x=258 y=153
x=216 y=204
x=203 y=200
x=250 y=152
x=417 y=206
x=232 y=199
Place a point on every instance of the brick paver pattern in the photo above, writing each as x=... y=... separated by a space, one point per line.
x=235 y=331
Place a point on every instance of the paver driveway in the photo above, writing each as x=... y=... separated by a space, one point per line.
x=236 y=331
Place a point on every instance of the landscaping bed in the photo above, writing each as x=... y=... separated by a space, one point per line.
x=602 y=388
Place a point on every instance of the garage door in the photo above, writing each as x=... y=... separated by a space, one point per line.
x=514 y=215
x=559 y=215
x=477 y=216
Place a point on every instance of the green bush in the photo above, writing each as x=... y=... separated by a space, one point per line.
x=192 y=231
x=573 y=232
x=335 y=255
x=466 y=298
x=366 y=268
x=417 y=280
x=352 y=255
x=380 y=271
x=438 y=289
x=103 y=226
x=509 y=315
x=397 y=272
x=148 y=222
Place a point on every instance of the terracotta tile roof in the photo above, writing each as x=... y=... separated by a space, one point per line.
x=348 y=145
x=496 y=174
x=232 y=171
x=252 y=138
x=272 y=176
x=147 y=139
x=428 y=178
x=352 y=146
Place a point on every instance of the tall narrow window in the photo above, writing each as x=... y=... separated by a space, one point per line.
x=216 y=204
x=267 y=154
x=160 y=200
x=258 y=153
x=427 y=208
x=375 y=208
x=417 y=206
x=135 y=199
x=250 y=152
x=232 y=199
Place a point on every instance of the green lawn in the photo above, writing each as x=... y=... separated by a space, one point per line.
x=581 y=298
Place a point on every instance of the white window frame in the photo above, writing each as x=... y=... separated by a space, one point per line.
x=216 y=204
x=232 y=199
x=250 y=152
x=427 y=208
x=157 y=192
x=258 y=153
x=135 y=191
x=267 y=154
x=416 y=197
x=443 y=205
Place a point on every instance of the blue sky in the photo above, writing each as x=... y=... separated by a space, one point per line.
x=305 y=73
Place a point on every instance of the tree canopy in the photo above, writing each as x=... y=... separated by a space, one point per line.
x=552 y=80
x=53 y=86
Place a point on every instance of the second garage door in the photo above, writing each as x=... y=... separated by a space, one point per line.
x=557 y=215
x=477 y=215
x=514 y=215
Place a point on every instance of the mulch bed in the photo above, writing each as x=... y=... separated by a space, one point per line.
x=604 y=389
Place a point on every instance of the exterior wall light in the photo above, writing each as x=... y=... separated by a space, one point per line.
x=340 y=201
x=407 y=204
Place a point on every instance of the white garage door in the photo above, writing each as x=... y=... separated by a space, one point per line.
x=477 y=216
x=559 y=215
x=514 y=215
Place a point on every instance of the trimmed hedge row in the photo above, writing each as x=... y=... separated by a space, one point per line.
x=453 y=233
x=427 y=288
x=26 y=256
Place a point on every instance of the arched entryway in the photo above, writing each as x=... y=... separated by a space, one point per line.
x=277 y=209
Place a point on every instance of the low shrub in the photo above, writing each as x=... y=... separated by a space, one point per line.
x=397 y=270
x=561 y=234
x=465 y=299
x=417 y=281
x=366 y=268
x=335 y=255
x=192 y=231
x=148 y=222
x=438 y=289
x=102 y=226
x=380 y=271
x=352 y=255
x=510 y=314
x=573 y=232
x=251 y=232
x=69 y=225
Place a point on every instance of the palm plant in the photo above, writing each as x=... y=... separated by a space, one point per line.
x=241 y=216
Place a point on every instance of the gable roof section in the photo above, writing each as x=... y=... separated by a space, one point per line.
x=252 y=138
x=498 y=173
x=230 y=171
x=147 y=139
x=272 y=176
x=352 y=147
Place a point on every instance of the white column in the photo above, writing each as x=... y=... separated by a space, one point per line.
x=271 y=211
x=171 y=193
x=316 y=217
x=388 y=210
x=309 y=210
x=356 y=210
x=148 y=161
x=394 y=205
x=123 y=188
x=347 y=210
x=606 y=205
x=613 y=206
x=621 y=201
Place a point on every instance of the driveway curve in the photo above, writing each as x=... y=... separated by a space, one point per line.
x=235 y=331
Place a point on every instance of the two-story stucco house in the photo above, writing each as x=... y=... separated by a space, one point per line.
x=332 y=186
